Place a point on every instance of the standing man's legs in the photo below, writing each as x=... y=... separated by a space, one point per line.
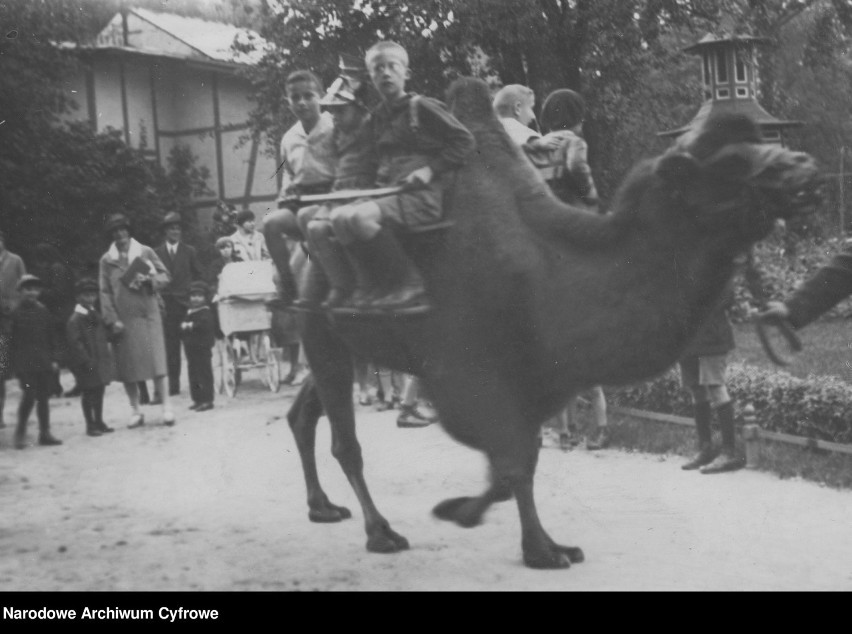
x=175 y=313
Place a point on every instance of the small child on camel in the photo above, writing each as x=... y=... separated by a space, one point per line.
x=329 y=266
x=417 y=152
x=307 y=152
x=514 y=105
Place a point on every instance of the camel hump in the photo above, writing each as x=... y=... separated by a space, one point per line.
x=469 y=100
x=721 y=130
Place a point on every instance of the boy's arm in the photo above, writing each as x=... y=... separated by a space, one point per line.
x=577 y=162
x=456 y=140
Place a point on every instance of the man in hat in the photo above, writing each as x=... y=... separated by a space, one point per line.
x=181 y=261
x=12 y=269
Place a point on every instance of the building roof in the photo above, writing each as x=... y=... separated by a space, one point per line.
x=180 y=37
x=711 y=39
x=747 y=107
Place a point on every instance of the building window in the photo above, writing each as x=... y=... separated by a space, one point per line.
x=723 y=93
x=706 y=70
x=771 y=135
x=742 y=92
x=740 y=68
x=721 y=67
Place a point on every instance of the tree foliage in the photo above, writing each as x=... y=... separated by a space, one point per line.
x=59 y=181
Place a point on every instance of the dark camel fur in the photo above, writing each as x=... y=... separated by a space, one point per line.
x=536 y=300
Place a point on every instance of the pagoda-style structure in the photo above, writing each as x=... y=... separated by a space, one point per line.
x=730 y=80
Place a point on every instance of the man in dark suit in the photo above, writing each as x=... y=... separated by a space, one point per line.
x=182 y=262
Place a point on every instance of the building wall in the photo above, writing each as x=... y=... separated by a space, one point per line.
x=185 y=114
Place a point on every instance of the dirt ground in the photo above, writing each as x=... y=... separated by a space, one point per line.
x=218 y=503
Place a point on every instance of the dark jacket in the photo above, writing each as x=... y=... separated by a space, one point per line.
x=406 y=140
x=34 y=346
x=183 y=269
x=90 y=356
x=198 y=328
x=714 y=337
x=827 y=287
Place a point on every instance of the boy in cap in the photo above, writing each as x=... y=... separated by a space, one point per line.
x=307 y=153
x=346 y=100
x=33 y=351
x=418 y=143
x=181 y=261
x=90 y=356
x=199 y=331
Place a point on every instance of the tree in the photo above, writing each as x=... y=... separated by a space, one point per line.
x=58 y=182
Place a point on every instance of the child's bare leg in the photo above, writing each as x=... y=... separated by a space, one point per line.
x=277 y=226
x=333 y=260
x=160 y=384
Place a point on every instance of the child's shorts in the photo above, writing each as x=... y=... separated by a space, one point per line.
x=697 y=371
x=413 y=208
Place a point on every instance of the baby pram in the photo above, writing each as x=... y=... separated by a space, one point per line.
x=245 y=320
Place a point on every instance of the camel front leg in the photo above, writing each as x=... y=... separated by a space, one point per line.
x=332 y=370
x=540 y=551
x=303 y=417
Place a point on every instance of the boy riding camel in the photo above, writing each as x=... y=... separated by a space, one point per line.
x=417 y=145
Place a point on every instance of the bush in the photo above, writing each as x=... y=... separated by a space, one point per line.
x=818 y=407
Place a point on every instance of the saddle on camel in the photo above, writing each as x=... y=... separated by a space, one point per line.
x=535 y=301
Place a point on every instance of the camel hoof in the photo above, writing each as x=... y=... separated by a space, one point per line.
x=554 y=558
x=386 y=541
x=458 y=510
x=329 y=514
x=574 y=554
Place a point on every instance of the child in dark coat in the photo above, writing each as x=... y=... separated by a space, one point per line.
x=198 y=332
x=90 y=357
x=34 y=359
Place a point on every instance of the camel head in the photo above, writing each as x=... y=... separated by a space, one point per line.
x=724 y=175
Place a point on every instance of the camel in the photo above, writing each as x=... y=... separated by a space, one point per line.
x=536 y=301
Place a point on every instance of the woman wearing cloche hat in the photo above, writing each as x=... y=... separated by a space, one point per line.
x=131 y=274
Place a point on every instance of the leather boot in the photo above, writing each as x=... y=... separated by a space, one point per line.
x=330 y=255
x=315 y=289
x=93 y=431
x=706 y=453
x=727 y=460
x=405 y=292
x=368 y=277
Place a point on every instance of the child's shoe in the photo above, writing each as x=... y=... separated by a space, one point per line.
x=103 y=427
x=410 y=416
x=47 y=440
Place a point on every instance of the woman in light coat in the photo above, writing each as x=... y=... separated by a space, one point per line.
x=131 y=309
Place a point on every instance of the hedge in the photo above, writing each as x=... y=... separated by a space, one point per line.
x=815 y=407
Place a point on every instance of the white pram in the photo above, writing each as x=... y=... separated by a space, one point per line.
x=246 y=321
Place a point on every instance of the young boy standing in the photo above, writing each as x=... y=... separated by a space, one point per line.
x=33 y=351
x=417 y=145
x=90 y=356
x=198 y=330
x=307 y=153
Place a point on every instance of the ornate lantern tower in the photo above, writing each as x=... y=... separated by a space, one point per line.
x=730 y=83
